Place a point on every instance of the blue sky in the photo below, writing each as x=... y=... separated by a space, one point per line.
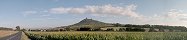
x=54 y=13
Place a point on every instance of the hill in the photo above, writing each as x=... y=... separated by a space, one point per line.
x=90 y=23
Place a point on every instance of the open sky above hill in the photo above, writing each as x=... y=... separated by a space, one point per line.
x=53 y=13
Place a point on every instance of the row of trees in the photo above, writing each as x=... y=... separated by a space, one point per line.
x=161 y=27
x=3 y=28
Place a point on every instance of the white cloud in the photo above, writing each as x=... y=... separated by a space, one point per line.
x=173 y=13
x=46 y=15
x=59 y=10
x=129 y=10
x=36 y=13
x=172 y=17
x=26 y=13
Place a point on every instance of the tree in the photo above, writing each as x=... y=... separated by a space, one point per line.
x=17 y=28
x=128 y=25
x=146 y=26
x=117 y=24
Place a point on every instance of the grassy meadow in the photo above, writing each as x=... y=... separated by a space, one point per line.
x=107 y=35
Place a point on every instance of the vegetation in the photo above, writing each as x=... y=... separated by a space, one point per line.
x=107 y=35
x=24 y=37
x=18 y=28
x=160 y=27
x=3 y=28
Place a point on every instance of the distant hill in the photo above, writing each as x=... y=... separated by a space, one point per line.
x=90 y=23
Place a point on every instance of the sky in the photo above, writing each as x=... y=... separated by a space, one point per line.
x=55 y=13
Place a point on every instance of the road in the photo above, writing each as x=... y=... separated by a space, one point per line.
x=16 y=36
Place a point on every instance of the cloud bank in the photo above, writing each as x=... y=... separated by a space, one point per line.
x=172 y=17
x=108 y=9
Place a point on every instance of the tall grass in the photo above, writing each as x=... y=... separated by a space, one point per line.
x=107 y=35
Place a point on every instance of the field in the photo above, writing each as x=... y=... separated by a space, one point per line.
x=6 y=33
x=107 y=35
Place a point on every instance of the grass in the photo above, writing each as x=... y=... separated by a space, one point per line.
x=24 y=37
x=107 y=35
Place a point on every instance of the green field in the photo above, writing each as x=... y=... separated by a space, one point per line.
x=107 y=35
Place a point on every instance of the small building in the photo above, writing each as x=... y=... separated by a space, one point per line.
x=146 y=29
x=156 y=29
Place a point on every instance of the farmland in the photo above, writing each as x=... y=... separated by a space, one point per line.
x=69 y=35
x=6 y=33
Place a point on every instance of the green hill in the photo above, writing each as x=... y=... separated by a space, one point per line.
x=90 y=23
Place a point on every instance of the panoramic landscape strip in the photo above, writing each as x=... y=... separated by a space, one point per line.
x=89 y=29
x=93 y=19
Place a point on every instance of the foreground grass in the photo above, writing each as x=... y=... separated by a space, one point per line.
x=107 y=35
x=24 y=37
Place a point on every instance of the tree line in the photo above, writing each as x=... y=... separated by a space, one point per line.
x=161 y=27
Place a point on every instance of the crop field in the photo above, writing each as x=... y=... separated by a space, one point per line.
x=107 y=35
x=6 y=33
